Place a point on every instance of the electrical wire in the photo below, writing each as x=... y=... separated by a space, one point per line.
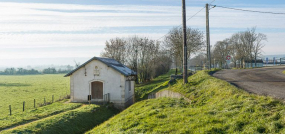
x=245 y=10
x=186 y=21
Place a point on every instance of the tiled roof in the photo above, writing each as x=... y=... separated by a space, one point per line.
x=110 y=63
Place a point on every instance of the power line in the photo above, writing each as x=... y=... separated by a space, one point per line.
x=195 y=14
x=245 y=10
x=186 y=20
x=212 y=1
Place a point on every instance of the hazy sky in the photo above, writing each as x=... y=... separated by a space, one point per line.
x=34 y=32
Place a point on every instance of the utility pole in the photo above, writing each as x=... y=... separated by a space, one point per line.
x=184 y=43
x=136 y=67
x=208 y=37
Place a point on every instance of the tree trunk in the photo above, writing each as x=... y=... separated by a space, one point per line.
x=255 y=60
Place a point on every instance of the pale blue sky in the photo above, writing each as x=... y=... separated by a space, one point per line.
x=65 y=30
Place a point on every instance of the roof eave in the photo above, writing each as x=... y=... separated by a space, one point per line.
x=95 y=58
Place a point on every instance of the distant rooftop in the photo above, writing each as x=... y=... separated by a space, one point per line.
x=109 y=62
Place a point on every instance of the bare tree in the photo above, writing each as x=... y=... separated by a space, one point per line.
x=243 y=46
x=221 y=50
x=237 y=49
x=115 y=48
x=173 y=41
x=247 y=39
x=77 y=64
x=258 y=45
x=198 y=60
x=141 y=54
x=252 y=41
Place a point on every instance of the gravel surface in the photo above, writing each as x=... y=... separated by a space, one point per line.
x=263 y=81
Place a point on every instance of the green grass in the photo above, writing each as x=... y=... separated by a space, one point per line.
x=70 y=122
x=216 y=107
x=142 y=90
x=16 y=89
x=283 y=72
x=35 y=114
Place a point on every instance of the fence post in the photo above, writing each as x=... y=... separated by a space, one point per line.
x=34 y=103
x=10 y=109
x=52 y=98
x=23 y=106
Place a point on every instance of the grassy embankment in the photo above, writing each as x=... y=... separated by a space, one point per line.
x=142 y=90
x=70 y=122
x=16 y=89
x=216 y=107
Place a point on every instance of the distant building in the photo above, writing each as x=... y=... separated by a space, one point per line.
x=259 y=63
x=104 y=80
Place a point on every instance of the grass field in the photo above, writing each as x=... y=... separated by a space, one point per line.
x=16 y=89
x=70 y=122
x=216 y=107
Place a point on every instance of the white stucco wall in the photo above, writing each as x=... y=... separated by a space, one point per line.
x=129 y=93
x=113 y=82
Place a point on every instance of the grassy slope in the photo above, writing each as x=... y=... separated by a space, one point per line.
x=217 y=107
x=74 y=121
x=35 y=114
x=142 y=90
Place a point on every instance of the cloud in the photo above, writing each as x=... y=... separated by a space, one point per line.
x=64 y=27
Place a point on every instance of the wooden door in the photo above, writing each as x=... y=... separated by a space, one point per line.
x=97 y=90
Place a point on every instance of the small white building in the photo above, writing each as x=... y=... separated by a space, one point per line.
x=102 y=80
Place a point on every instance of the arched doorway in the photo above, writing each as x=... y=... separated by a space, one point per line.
x=97 y=90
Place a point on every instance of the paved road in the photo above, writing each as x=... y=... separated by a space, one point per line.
x=263 y=81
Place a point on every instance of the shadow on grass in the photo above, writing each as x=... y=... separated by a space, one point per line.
x=211 y=72
x=71 y=122
x=33 y=118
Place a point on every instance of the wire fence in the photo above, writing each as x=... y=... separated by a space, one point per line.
x=274 y=62
x=36 y=103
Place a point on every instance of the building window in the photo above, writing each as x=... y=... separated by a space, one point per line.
x=130 y=86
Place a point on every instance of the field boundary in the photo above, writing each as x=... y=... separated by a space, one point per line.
x=37 y=105
x=48 y=116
